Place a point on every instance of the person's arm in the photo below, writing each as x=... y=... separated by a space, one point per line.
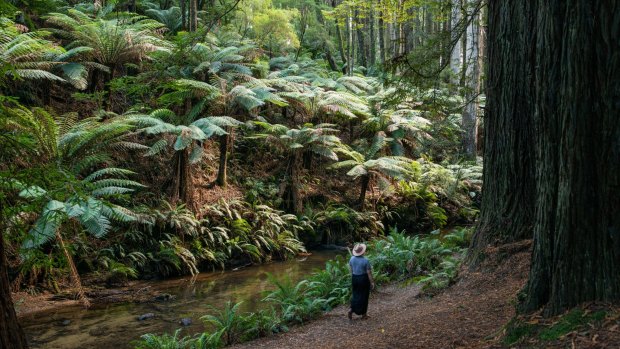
x=369 y=272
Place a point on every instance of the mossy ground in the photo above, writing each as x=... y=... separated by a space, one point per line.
x=535 y=331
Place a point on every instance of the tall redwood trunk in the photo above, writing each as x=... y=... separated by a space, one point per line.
x=576 y=254
x=11 y=334
x=508 y=188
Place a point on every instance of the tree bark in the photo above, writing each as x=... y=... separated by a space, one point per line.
x=372 y=55
x=508 y=191
x=11 y=334
x=183 y=4
x=182 y=184
x=221 y=172
x=349 y=45
x=470 y=112
x=295 y=203
x=193 y=15
x=343 y=56
x=455 y=36
x=364 y=188
x=381 y=30
x=361 y=46
x=576 y=254
x=326 y=47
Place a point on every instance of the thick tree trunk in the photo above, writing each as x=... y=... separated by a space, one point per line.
x=221 y=172
x=364 y=188
x=11 y=334
x=508 y=190
x=576 y=254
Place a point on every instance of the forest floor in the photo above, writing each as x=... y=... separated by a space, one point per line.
x=472 y=313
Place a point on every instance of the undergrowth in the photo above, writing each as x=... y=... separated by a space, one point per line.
x=431 y=260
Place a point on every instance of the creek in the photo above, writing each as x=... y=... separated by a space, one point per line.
x=116 y=325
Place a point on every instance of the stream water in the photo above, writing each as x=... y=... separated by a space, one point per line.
x=116 y=325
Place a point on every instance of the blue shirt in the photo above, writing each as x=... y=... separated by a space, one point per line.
x=359 y=265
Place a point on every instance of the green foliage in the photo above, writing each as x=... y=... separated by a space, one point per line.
x=395 y=257
x=258 y=231
x=266 y=70
x=335 y=222
x=111 y=43
x=229 y=322
x=274 y=31
x=165 y=341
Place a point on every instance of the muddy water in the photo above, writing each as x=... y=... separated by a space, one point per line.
x=116 y=325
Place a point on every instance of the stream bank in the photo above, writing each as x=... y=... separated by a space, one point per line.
x=115 y=324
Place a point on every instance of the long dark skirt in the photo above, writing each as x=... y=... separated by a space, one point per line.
x=361 y=290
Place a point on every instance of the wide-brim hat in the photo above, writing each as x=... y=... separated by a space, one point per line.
x=359 y=249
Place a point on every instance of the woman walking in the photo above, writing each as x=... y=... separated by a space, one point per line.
x=361 y=281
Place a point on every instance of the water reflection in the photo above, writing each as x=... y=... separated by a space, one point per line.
x=116 y=325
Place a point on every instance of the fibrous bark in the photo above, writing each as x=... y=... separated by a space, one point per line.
x=507 y=210
x=576 y=254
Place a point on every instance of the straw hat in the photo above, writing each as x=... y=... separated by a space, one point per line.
x=359 y=249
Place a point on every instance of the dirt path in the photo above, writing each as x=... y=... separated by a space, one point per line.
x=465 y=315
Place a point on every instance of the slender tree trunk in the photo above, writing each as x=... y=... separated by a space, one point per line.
x=11 y=334
x=326 y=47
x=382 y=54
x=576 y=254
x=456 y=57
x=349 y=45
x=183 y=14
x=221 y=172
x=464 y=51
x=330 y=59
x=183 y=183
x=470 y=112
x=343 y=56
x=508 y=191
x=77 y=282
x=193 y=15
x=361 y=51
x=296 y=201
x=482 y=48
x=365 y=180
x=372 y=39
